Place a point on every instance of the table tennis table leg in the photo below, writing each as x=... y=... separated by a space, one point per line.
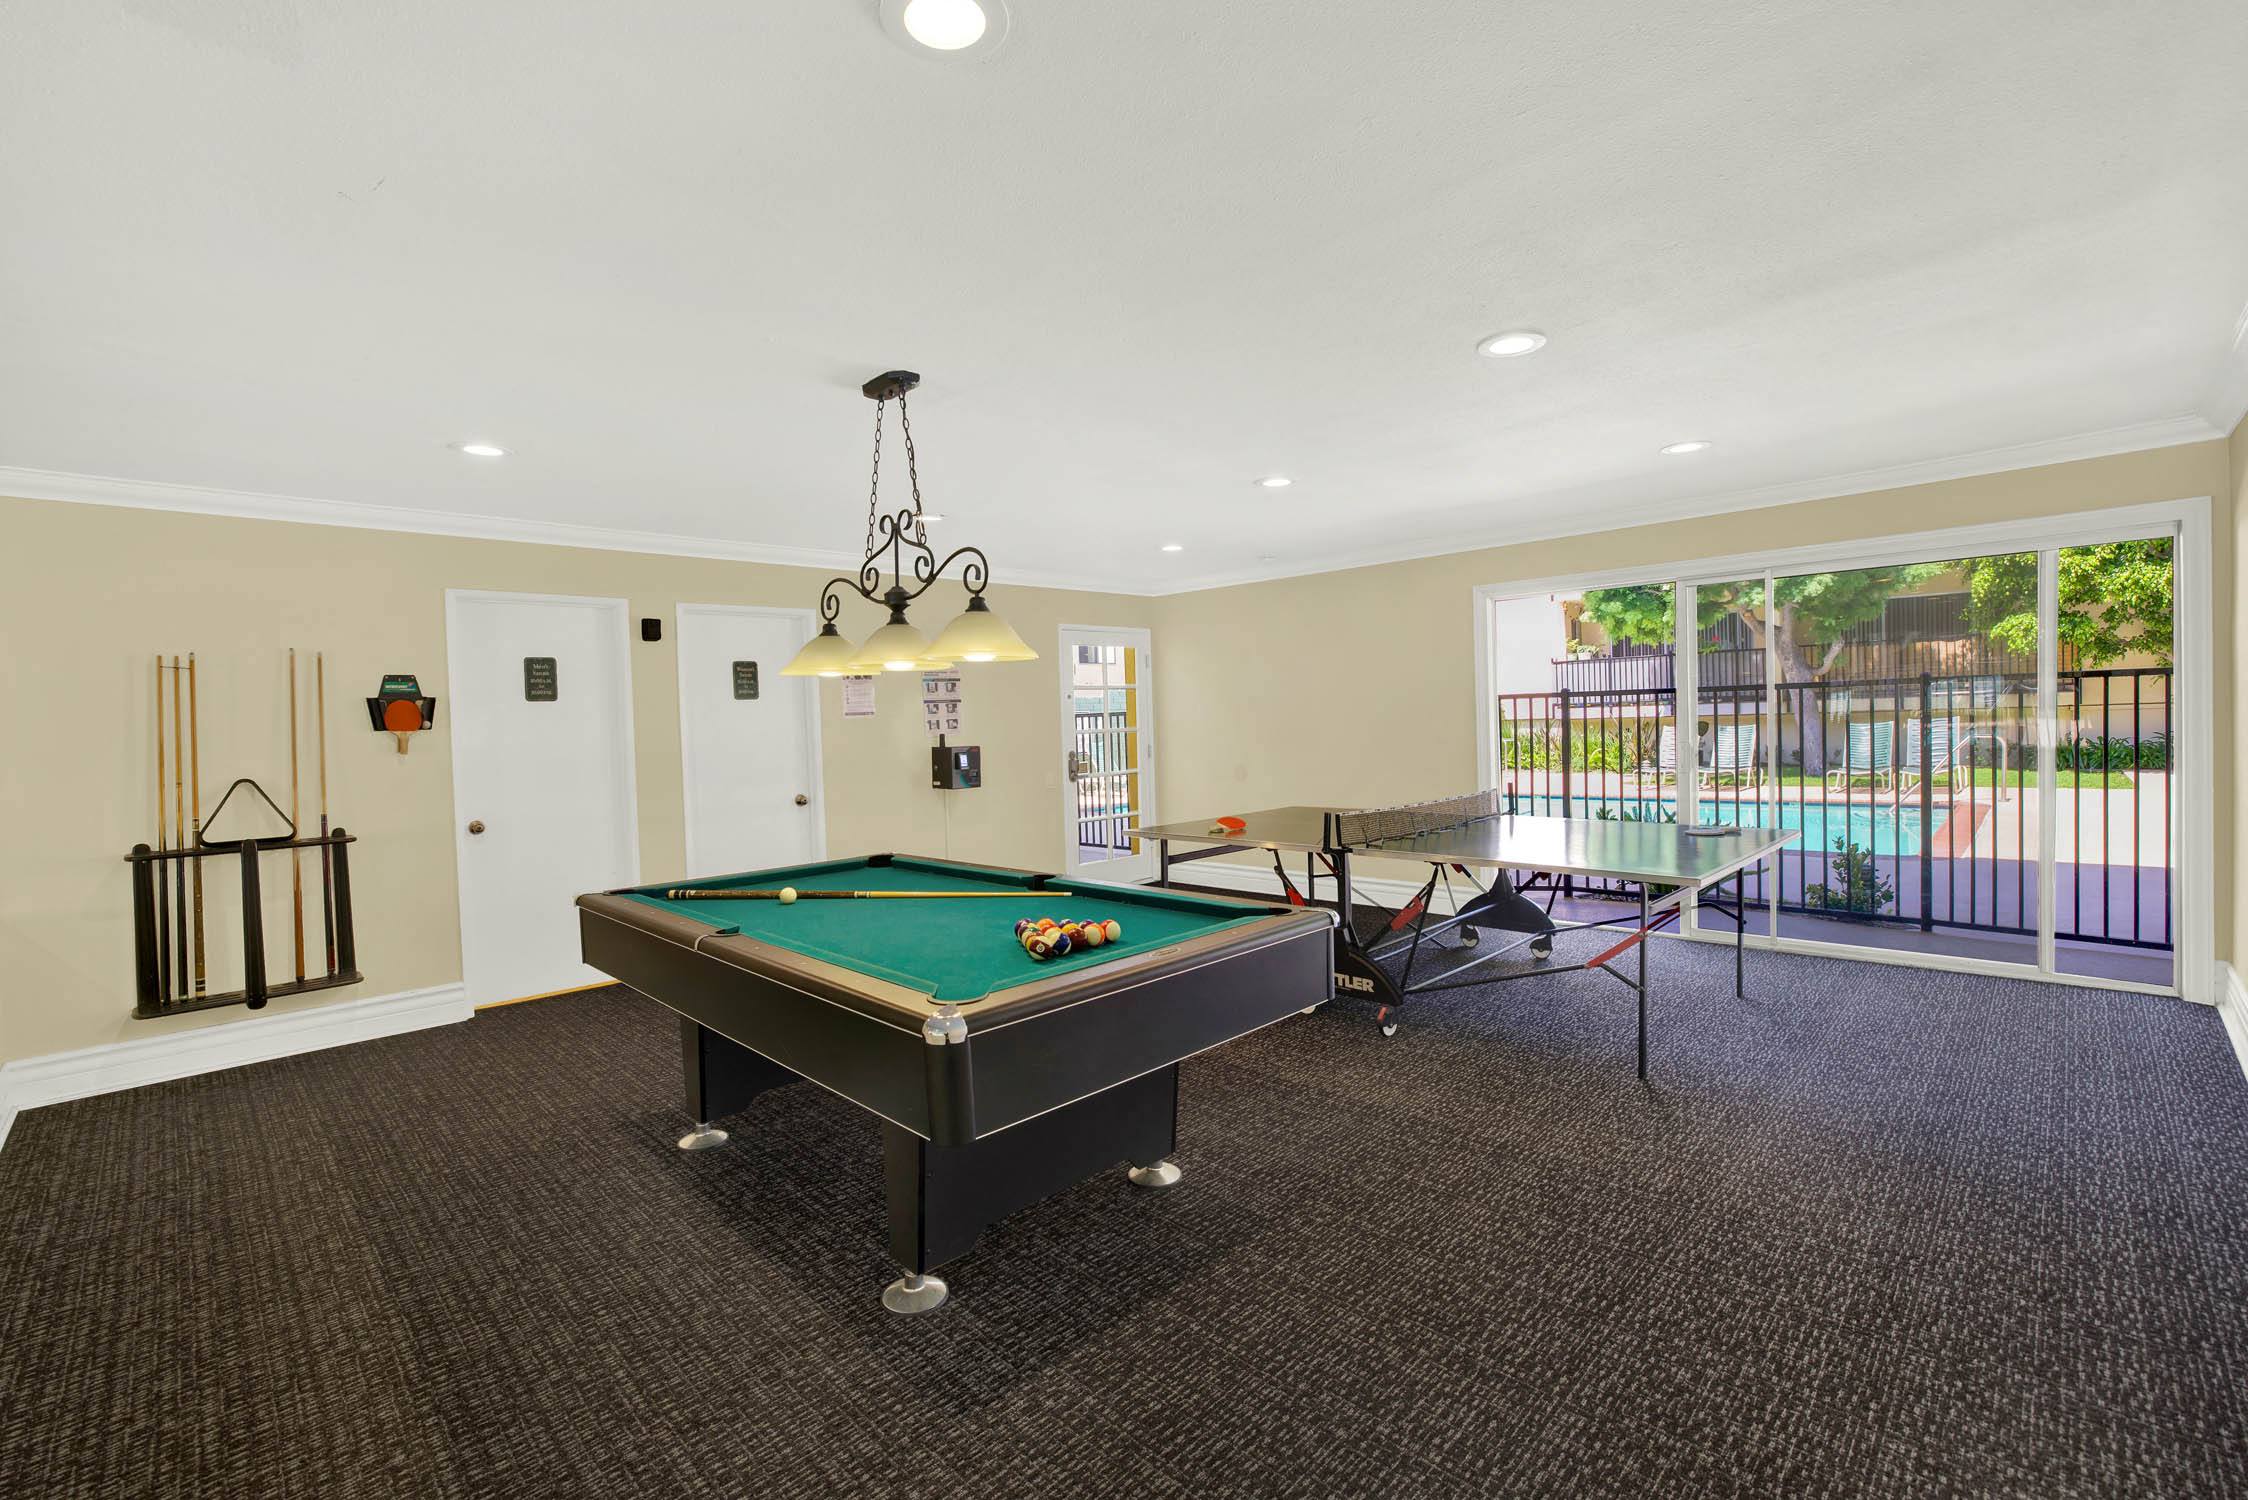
x=1740 y=933
x=1163 y=862
x=1643 y=918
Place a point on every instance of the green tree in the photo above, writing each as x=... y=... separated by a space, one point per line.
x=2113 y=598
x=1805 y=629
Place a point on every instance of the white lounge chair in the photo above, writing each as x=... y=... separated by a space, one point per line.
x=1866 y=747
x=1735 y=756
x=1943 y=737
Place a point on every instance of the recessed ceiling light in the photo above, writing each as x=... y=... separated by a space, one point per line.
x=948 y=28
x=1173 y=547
x=946 y=25
x=481 y=450
x=1276 y=481
x=1508 y=345
x=1691 y=445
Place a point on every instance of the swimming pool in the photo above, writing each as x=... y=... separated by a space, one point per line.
x=1879 y=830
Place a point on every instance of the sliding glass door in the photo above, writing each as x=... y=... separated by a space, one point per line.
x=1977 y=751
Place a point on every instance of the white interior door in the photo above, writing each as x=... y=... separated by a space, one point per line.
x=1108 y=751
x=749 y=741
x=543 y=787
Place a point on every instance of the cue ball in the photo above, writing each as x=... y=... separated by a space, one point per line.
x=788 y=894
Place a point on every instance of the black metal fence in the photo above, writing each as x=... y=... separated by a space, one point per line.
x=1629 y=668
x=1105 y=806
x=1915 y=794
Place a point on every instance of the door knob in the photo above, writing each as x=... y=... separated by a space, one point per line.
x=476 y=826
x=802 y=800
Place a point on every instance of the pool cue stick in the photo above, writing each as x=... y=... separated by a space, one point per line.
x=195 y=807
x=296 y=856
x=179 y=815
x=690 y=893
x=163 y=842
x=327 y=853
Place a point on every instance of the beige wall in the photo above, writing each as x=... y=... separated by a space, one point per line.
x=2228 y=771
x=1359 y=686
x=1347 y=686
x=91 y=592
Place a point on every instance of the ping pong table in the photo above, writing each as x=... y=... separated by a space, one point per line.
x=1524 y=857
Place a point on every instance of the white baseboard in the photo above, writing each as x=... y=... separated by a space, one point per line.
x=2232 y=1009
x=33 y=1081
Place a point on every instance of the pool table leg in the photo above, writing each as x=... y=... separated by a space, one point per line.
x=722 y=1076
x=943 y=1197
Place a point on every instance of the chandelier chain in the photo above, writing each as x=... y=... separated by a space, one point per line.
x=912 y=474
x=874 y=486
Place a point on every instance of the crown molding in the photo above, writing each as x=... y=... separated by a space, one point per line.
x=2227 y=401
x=1570 y=521
x=1567 y=520
x=250 y=505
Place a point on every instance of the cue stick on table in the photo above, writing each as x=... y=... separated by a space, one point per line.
x=686 y=893
x=195 y=808
x=179 y=815
x=327 y=853
x=163 y=893
x=296 y=856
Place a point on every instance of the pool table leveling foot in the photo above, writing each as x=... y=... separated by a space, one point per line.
x=702 y=1137
x=1162 y=1175
x=915 y=1294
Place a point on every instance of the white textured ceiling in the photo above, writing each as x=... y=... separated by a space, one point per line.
x=1146 y=253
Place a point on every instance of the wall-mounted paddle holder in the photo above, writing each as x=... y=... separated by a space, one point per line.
x=160 y=961
x=401 y=709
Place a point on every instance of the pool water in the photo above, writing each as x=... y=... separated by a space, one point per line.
x=1879 y=830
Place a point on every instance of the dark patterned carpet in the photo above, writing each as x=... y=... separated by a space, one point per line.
x=1875 y=1232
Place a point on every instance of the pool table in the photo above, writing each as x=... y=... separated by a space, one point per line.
x=998 y=1079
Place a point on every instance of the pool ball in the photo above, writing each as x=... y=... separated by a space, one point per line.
x=1111 y=930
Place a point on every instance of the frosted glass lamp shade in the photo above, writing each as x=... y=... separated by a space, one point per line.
x=896 y=647
x=980 y=635
x=827 y=654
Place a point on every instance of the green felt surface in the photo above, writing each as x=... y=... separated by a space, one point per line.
x=953 y=951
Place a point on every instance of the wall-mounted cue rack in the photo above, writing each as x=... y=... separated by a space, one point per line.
x=171 y=977
x=163 y=984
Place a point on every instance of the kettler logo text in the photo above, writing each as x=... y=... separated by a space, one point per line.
x=1354 y=983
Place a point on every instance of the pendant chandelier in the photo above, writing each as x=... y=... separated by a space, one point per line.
x=977 y=635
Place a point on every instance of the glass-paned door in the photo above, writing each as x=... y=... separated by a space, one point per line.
x=1107 y=752
x=1977 y=752
x=1725 y=774
x=2113 y=822
x=1907 y=696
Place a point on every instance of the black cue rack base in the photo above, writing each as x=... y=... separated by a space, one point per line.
x=242 y=997
x=163 y=986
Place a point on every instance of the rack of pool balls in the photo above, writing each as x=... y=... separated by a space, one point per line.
x=1043 y=937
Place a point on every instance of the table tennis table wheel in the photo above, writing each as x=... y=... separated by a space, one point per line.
x=1541 y=948
x=1468 y=936
x=1386 y=1019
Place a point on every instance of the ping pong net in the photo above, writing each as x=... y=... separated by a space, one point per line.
x=1408 y=820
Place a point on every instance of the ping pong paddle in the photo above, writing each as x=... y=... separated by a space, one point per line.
x=1228 y=825
x=402 y=716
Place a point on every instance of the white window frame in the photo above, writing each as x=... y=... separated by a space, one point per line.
x=2193 y=890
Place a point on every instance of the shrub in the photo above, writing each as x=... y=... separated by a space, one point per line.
x=1862 y=888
